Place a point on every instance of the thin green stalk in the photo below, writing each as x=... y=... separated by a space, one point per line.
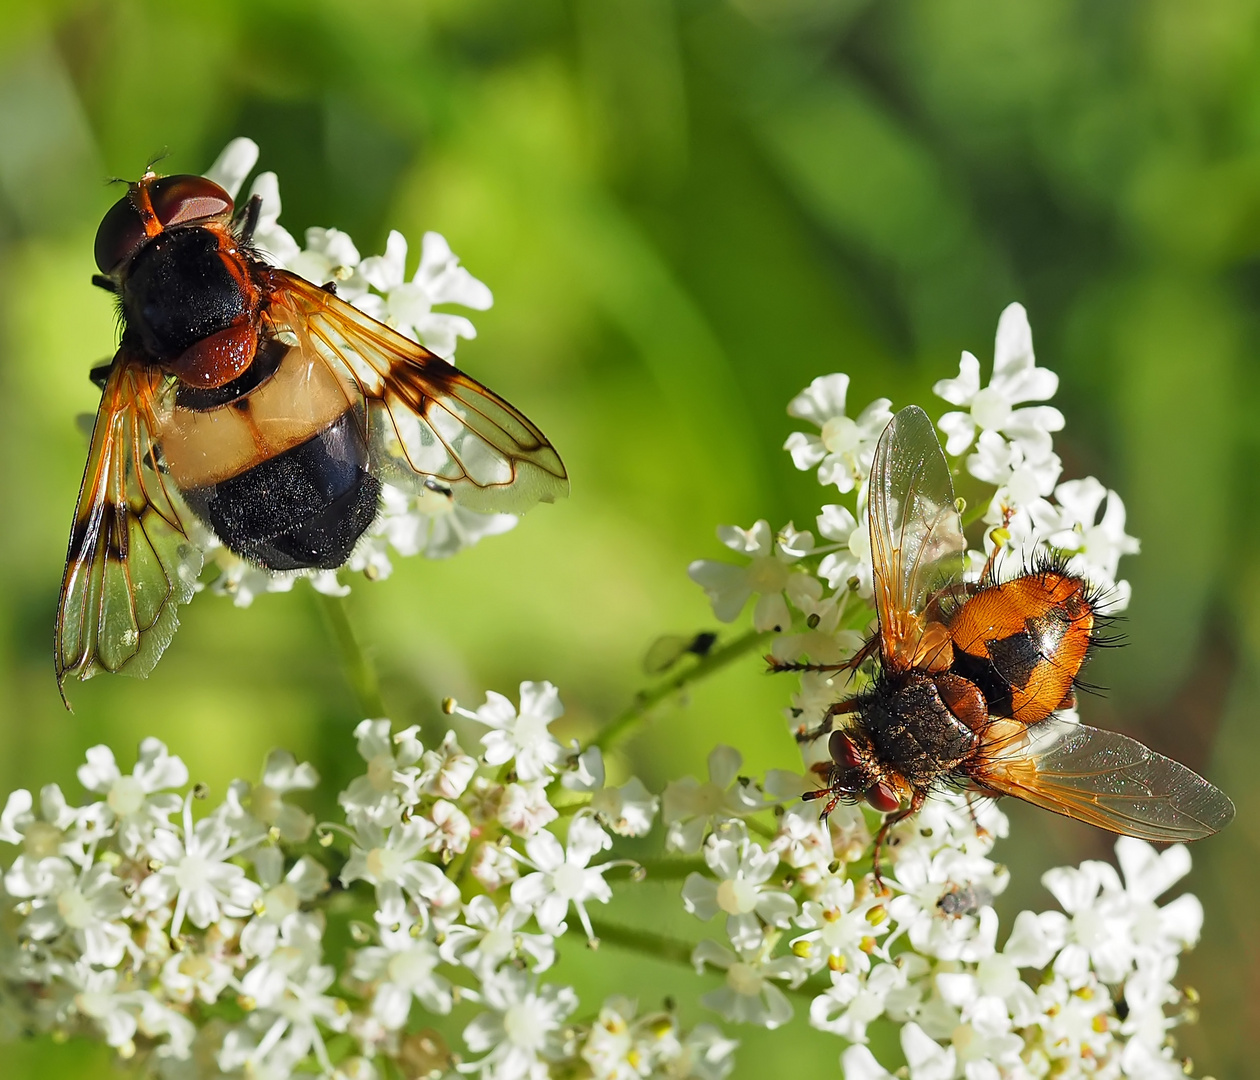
x=358 y=668
x=623 y=725
x=670 y=869
x=646 y=943
x=640 y=941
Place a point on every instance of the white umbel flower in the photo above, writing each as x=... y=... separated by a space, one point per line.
x=564 y=876
x=521 y=1030
x=741 y=890
x=137 y=803
x=691 y=808
x=196 y=872
x=844 y=447
x=1016 y=379
x=521 y=736
x=407 y=306
x=770 y=575
x=749 y=995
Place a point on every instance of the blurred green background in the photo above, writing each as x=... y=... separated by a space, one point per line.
x=686 y=209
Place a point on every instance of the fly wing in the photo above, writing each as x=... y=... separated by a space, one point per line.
x=917 y=540
x=130 y=562
x=424 y=420
x=1106 y=779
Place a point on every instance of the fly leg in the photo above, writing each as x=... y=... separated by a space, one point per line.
x=859 y=657
x=987 y=576
x=981 y=832
x=838 y=708
x=916 y=804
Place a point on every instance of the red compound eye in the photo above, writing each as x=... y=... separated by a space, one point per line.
x=120 y=234
x=842 y=750
x=883 y=797
x=178 y=200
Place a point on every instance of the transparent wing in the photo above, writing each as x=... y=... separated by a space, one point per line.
x=130 y=562
x=1105 y=779
x=917 y=540
x=424 y=419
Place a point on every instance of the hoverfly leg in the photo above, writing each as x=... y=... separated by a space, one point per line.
x=100 y=374
x=248 y=219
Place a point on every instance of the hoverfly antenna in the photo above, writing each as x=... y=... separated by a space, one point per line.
x=160 y=155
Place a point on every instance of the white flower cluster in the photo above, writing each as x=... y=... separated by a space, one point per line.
x=806 y=587
x=1082 y=992
x=431 y=523
x=197 y=945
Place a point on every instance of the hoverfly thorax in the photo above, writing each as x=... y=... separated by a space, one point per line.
x=188 y=303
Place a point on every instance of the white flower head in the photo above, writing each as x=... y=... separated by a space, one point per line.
x=627 y=810
x=391 y=769
x=263 y=804
x=851 y=561
x=83 y=908
x=522 y=737
x=690 y=809
x=564 y=876
x=196 y=872
x=491 y=935
x=740 y=887
x=402 y=969
x=522 y=1029
x=407 y=306
x=749 y=995
x=388 y=855
x=844 y=447
x=136 y=803
x=841 y=933
x=770 y=575
x=58 y=829
x=1095 y=544
x=1016 y=379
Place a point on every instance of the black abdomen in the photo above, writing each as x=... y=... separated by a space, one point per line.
x=302 y=509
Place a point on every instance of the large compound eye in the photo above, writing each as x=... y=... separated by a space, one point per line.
x=178 y=200
x=842 y=750
x=120 y=234
x=882 y=796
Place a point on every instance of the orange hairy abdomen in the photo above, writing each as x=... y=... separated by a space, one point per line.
x=1035 y=632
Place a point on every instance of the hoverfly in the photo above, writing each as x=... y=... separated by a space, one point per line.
x=262 y=405
x=971 y=676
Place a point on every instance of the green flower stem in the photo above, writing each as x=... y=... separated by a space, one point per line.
x=761 y=830
x=670 y=869
x=623 y=725
x=639 y=941
x=358 y=668
x=646 y=943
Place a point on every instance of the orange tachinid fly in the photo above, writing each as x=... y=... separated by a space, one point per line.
x=971 y=677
